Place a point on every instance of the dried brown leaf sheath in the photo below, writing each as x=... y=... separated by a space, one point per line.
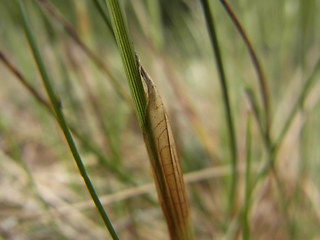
x=165 y=164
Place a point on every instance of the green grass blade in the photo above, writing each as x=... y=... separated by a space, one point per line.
x=226 y=100
x=86 y=143
x=257 y=113
x=175 y=211
x=245 y=221
x=61 y=120
x=128 y=59
x=256 y=63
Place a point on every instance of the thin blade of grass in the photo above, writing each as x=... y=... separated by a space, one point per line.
x=124 y=177
x=208 y=13
x=256 y=63
x=297 y=106
x=256 y=111
x=245 y=220
x=128 y=58
x=61 y=120
x=178 y=210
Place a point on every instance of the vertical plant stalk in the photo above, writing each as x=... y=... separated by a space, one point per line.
x=245 y=220
x=270 y=164
x=128 y=59
x=256 y=63
x=266 y=105
x=226 y=100
x=165 y=165
x=157 y=134
x=256 y=111
x=61 y=120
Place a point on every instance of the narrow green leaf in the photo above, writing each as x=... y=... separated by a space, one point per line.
x=208 y=13
x=61 y=120
x=128 y=59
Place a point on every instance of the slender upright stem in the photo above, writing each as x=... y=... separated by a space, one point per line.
x=85 y=142
x=128 y=59
x=226 y=100
x=154 y=125
x=245 y=220
x=61 y=120
x=257 y=66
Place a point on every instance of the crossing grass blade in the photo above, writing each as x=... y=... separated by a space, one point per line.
x=61 y=120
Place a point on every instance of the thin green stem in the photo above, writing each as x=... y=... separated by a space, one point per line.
x=179 y=225
x=83 y=140
x=257 y=113
x=285 y=204
x=226 y=100
x=245 y=221
x=61 y=120
x=256 y=64
x=129 y=60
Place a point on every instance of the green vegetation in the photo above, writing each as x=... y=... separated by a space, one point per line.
x=239 y=81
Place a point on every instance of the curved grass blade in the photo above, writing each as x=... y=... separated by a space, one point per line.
x=165 y=164
x=256 y=63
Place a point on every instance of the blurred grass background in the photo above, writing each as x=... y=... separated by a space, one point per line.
x=42 y=195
